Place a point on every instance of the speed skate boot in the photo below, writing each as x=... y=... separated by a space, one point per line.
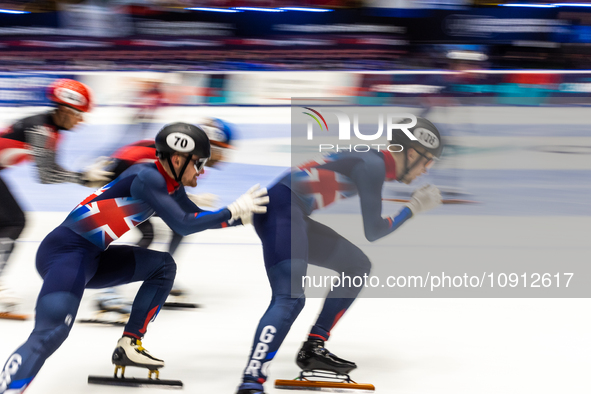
x=323 y=371
x=111 y=308
x=109 y=301
x=250 y=388
x=314 y=356
x=130 y=353
x=9 y=301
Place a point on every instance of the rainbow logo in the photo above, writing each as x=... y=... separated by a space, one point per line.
x=316 y=119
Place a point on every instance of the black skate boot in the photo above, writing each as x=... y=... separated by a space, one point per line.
x=250 y=388
x=314 y=356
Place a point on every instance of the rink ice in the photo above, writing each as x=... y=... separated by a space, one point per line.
x=411 y=346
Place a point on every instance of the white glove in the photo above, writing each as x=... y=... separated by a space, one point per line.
x=253 y=201
x=247 y=219
x=425 y=198
x=95 y=173
x=204 y=199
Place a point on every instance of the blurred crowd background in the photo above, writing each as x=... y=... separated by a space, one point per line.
x=226 y=35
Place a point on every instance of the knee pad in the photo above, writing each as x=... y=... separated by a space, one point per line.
x=363 y=265
x=153 y=266
x=167 y=271
x=353 y=261
x=169 y=266
x=299 y=304
x=55 y=315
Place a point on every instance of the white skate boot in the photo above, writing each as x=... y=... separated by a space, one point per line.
x=130 y=353
x=111 y=309
x=9 y=303
x=110 y=301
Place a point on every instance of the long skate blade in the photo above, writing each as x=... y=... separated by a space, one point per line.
x=12 y=316
x=335 y=387
x=102 y=322
x=135 y=382
x=179 y=305
x=444 y=201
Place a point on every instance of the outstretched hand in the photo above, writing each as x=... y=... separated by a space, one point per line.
x=424 y=199
x=95 y=174
x=253 y=201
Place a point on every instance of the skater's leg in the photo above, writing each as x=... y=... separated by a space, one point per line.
x=55 y=314
x=121 y=264
x=147 y=230
x=108 y=299
x=273 y=327
x=174 y=242
x=330 y=250
x=12 y=223
x=177 y=294
x=126 y=264
x=281 y=229
x=64 y=268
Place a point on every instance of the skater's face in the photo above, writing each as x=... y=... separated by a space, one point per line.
x=423 y=160
x=193 y=170
x=67 y=118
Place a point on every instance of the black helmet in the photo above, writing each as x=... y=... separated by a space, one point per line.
x=182 y=138
x=428 y=137
x=428 y=140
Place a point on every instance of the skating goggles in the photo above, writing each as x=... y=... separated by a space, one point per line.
x=198 y=163
x=430 y=160
x=75 y=112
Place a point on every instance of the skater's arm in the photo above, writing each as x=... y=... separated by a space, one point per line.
x=369 y=180
x=188 y=205
x=39 y=139
x=151 y=188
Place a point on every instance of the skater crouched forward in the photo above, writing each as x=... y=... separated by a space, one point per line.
x=292 y=239
x=76 y=255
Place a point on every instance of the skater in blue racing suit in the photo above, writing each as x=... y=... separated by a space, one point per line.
x=292 y=239
x=78 y=254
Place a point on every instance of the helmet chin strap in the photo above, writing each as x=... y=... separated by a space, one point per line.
x=181 y=172
x=408 y=168
x=58 y=117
